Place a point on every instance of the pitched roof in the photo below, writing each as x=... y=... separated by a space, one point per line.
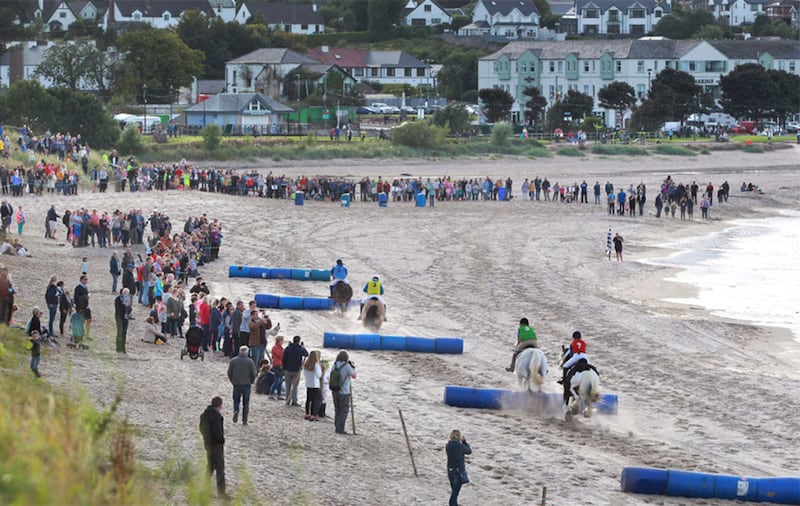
x=210 y=86
x=156 y=8
x=273 y=55
x=236 y=102
x=752 y=49
x=525 y=7
x=560 y=49
x=347 y=57
x=26 y=10
x=392 y=59
x=292 y=13
x=622 y=5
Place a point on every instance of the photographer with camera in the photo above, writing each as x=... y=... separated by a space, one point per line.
x=199 y=287
x=292 y=363
x=342 y=373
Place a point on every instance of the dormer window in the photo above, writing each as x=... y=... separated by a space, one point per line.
x=256 y=105
x=137 y=16
x=166 y=16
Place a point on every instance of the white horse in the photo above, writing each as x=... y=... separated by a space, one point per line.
x=531 y=368
x=585 y=390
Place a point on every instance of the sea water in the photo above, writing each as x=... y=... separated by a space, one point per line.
x=750 y=271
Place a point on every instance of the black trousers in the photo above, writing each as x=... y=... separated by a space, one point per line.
x=216 y=464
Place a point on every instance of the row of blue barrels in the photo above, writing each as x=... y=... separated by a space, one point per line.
x=489 y=398
x=243 y=271
x=448 y=345
x=270 y=301
x=672 y=482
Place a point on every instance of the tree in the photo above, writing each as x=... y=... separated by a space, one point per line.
x=787 y=97
x=80 y=65
x=459 y=73
x=158 y=59
x=382 y=17
x=572 y=108
x=618 y=96
x=535 y=104
x=671 y=26
x=675 y=94
x=9 y=28
x=454 y=117
x=496 y=104
x=709 y=32
x=746 y=91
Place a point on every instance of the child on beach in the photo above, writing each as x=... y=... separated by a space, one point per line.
x=85 y=266
x=36 y=353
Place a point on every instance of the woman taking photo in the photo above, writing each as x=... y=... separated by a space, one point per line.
x=456 y=448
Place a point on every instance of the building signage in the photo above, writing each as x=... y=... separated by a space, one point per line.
x=705 y=81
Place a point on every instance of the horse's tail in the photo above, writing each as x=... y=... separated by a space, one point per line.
x=592 y=385
x=538 y=367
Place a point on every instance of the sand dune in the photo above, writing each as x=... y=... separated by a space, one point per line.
x=696 y=392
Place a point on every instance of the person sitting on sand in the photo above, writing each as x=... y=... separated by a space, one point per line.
x=152 y=332
x=14 y=248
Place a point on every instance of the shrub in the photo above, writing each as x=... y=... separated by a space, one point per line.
x=212 y=137
x=672 y=149
x=616 y=149
x=419 y=134
x=753 y=149
x=130 y=143
x=570 y=152
x=501 y=133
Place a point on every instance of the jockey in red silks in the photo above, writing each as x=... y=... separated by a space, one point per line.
x=575 y=356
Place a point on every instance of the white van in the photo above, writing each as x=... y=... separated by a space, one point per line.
x=674 y=126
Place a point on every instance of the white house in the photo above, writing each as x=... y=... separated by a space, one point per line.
x=385 y=67
x=629 y=17
x=589 y=65
x=738 y=12
x=156 y=13
x=292 y=17
x=57 y=15
x=511 y=19
x=426 y=13
x=264 y=71
x=241 y=113
x=224 y=9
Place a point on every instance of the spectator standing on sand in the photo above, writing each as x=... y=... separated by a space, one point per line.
x=456 y=448
x=115 y=269
x=341 y=397
x=618 y=246
x=122 y=310
x=292 y=363
x=277 y=369
x=51 y=299
x=20 y=220
x=242 y=374
x=312 y=375
x=212 y=429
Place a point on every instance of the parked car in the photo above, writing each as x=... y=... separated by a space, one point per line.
x=792 y=127
x=409 y=110
x=385 y=108
x=366 y=110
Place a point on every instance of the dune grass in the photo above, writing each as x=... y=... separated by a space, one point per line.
x=618 y=149
x=570 y=152
x=672 y=149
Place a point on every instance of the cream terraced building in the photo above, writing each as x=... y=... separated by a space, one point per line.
x=587 y=66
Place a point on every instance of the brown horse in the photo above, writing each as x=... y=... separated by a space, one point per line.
x=372 y=314
x=342 y=293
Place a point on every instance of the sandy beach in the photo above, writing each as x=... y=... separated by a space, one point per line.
x=696 y=392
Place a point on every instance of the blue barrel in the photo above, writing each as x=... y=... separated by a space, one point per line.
x=260 y=272
x=290 y=303
x=366 y=342
x=382 y=199
x=238 y=271
x=779 y=490
x=267 y=300
x=299 y=198
x=280 y=273
x=346 y=200
x=608 y=404
x=420 y=198
x=690 y=484
x=317 y=303
x=320 y=275
x=736 y=487
x=644 y=480
x=481 y=398
x=420 y=345
x=299 y=274
x=337 y=340
x=450 y=345
x=502 y=193
x=393 y=343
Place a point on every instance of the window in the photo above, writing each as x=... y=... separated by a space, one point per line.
x=591 y=13
x=781 y=65
x=560 y=67
x=791 y=66
x=613 y=16
x=619 y=66
x=552 y=66
x=523 y=67
x=637 y=29
x=533 y=67
x=137 y=16
x=755 y=7
x=436 y=21
x=613 y=27
x=427 y=8
x=586 y=66
x=374 y=72
x=62 y=14
x=667 y=64
x=586 y=89
x=256 y=105
x=408 y=73
x=304 y=27
x=421 y=72
x=166 y=16
x=552 y=91
x=640 y=90
x=358 y=72
x=692 y=66
x=640 y=66
x=657 y=13
x=637 y=13
x=390 y=72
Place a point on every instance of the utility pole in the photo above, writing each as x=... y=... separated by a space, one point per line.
x=144 y=101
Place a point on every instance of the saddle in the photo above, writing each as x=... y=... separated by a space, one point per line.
x=579 y=366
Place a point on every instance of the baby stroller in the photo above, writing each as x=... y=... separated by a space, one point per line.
x=194 y=339
x=77 y=323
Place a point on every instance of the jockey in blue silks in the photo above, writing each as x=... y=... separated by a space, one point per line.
x=338 y=274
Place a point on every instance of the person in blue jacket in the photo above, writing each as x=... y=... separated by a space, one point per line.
x=456 y=448
x=338 y=274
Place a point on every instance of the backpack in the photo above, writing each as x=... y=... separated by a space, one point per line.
x=336 y=380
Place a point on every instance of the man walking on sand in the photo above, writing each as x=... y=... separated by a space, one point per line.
x=212 y=429
x=242 y=374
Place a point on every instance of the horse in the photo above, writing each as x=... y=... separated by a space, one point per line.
x=373 y=314
x=342 y=293
x=531 y=368
x=584 y=388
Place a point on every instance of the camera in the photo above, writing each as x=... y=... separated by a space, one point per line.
x=351 y=364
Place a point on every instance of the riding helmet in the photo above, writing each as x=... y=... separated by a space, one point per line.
x=339 y=262
x=576 y=335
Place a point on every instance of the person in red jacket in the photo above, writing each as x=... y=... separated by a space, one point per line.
x=203 y=318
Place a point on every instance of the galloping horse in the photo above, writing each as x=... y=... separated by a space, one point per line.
x=587 y=384
x=531 y=368
x=342 y=293
x=373 y=314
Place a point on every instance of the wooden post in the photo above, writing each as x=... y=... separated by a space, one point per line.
x=408 y=444
x=544 y=496
x=352 y=411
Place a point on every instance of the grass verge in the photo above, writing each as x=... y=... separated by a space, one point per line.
x=617 y=149
x=671 y=149
x=570 y=152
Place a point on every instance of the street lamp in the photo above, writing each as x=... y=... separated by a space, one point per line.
x=298 y=87
x=556 y=89
x=649 y=71
x=144 y=101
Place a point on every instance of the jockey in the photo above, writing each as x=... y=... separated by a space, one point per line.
x=526 y=338
x=575 y=359
x=374 y=290
x=338 y=274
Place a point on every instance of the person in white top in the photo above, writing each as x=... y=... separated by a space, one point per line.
x=312 y=375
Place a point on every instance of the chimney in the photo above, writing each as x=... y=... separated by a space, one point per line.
x=324 y=49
